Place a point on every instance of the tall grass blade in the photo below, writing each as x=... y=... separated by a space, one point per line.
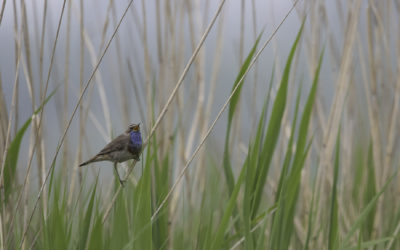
x=310 y=217
x=232 y=107
x=142 y=228
x=333 y=220
x=369 y=193
x=160 y=190
x=219 y=235
x=274 y=126
x=283 y=226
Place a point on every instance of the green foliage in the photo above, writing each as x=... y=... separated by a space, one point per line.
x=232 y=107
x=142 y=227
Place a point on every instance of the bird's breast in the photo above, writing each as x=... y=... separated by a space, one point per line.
x=121 y=156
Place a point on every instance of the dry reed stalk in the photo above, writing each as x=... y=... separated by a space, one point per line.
x=122 y=87
x=150 y=107
x=137 y=94
x=99 y=81
x=367 y=88
x=177 y=54
x=160 y=49
x=134 y=72
x=374 y=117
x=100 y=129
x=41 y=50
x=3 y=7
x=3 y=122
x=393 y=125
x=65 y=152
x=210 y=100
x=329 y=138
x=8 y=135
x=81 y=82
x=391 y=138
x=199 y=66
x=41 y=82
x=163 y=84
x=380 y=36
x=241 y=39
x=16 y=47
x=105 y=25
x=375 y=114
x=103 y=99
x=163 y=68
x=28 y=76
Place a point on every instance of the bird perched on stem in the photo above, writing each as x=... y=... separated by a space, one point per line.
x=125 y=147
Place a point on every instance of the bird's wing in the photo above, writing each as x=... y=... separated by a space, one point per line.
x=117 y=144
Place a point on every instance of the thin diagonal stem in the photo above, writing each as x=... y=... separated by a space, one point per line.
x=219 y=115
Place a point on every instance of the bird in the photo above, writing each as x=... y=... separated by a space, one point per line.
x=125 y=147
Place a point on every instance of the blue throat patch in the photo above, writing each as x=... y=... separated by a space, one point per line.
x=136 y=138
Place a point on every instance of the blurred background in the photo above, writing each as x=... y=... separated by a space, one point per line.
x=358 y=93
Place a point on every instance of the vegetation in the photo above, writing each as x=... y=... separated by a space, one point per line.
x=311 y=165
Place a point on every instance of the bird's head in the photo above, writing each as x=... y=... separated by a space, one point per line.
x=133 y=128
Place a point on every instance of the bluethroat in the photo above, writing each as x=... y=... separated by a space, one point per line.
x=125 y=147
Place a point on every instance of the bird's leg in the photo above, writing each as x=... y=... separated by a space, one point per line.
x=136 y=157
x=116 y=170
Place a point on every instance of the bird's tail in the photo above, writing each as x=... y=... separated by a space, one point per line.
x=84 y=163
x=94 y=159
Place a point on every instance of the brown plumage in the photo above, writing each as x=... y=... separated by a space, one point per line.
x=112 y=150
x=125 y=147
